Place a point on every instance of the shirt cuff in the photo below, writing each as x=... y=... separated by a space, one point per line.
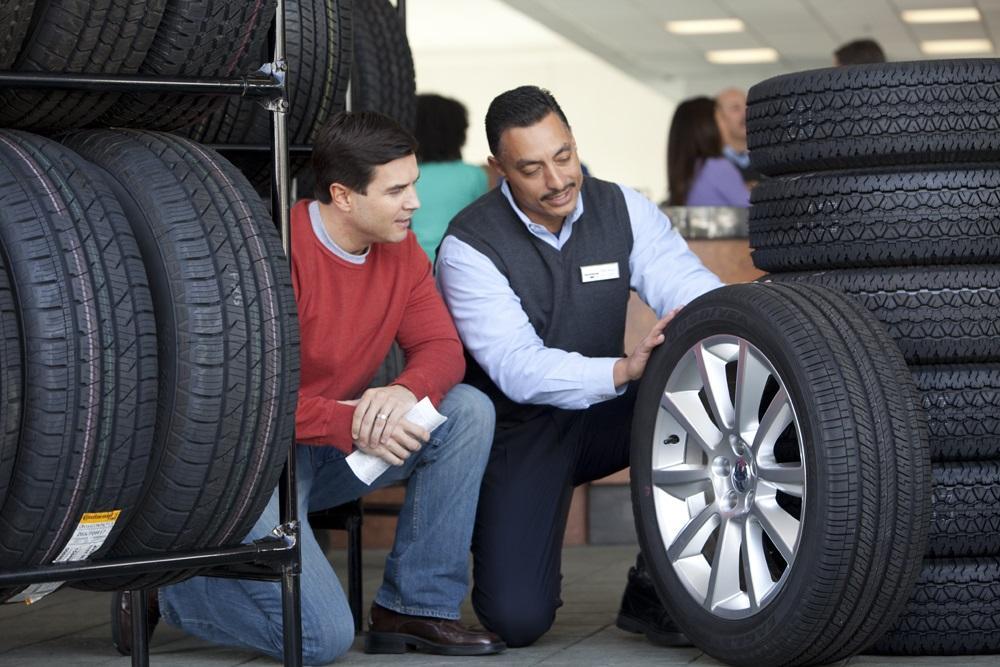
x=600 y=381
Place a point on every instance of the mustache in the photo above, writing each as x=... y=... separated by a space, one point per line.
x=556 y=193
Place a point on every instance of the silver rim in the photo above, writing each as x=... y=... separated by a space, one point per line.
x=729 y=476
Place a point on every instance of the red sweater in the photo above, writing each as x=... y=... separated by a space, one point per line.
x=349 y=315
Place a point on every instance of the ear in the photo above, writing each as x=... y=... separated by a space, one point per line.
x=340 y=197
x=495 y=164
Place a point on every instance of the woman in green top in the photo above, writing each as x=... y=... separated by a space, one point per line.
x=446 y=184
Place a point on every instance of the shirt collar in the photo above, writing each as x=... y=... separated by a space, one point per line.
x=537 y=230
x=319 y=229
x=740 y=157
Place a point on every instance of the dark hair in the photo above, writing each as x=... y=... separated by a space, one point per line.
x=694 y=136
x=859 y=52
x=441 y=126
x=349 y=147
x=519 y=107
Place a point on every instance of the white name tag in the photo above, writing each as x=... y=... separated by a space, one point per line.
x=595 y=272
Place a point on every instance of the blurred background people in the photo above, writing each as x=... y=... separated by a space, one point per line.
x=859 y=52
x=697 y=172
x=446 y=184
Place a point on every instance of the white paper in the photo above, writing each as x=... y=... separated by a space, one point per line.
x=367 y=467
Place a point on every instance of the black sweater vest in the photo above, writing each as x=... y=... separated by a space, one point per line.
x=566 y=312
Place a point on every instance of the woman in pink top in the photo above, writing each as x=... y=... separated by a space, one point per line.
x=697 y=172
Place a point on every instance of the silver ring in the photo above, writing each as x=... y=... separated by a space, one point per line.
x=381 y=416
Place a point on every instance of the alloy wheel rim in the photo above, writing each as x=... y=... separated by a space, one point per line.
x=728 y=476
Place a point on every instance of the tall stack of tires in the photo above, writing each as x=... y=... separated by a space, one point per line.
x=883 y=184
x=148 y=334
x=780 y=475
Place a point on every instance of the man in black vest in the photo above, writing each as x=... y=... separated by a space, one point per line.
x=536 y=274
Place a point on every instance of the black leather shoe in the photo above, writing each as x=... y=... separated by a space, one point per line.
x=643 y=613
x=391 y=632
x=121 y=619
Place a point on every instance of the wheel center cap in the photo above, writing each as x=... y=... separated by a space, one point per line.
x=742 y=475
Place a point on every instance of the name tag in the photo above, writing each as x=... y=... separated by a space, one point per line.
x=595 y=272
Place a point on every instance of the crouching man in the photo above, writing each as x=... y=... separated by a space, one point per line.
x=361 y=281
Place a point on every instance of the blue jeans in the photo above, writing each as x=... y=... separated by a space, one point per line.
x=426 y=574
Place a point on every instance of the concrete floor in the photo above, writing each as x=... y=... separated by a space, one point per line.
x=71 y=628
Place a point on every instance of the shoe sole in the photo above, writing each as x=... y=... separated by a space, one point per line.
x=658 y=637
x=395 y=642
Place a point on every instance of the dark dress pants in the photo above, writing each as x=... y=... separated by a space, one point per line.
x=523 y=505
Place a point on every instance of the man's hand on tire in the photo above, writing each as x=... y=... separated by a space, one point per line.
x=632 y=367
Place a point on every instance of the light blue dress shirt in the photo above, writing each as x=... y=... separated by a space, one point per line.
x=496 y=330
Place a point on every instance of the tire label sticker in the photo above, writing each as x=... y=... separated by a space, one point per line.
x=89 y=536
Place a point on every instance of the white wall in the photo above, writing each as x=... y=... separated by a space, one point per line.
x=473 y=50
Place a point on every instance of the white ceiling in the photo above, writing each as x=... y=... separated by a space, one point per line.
x=629 y=34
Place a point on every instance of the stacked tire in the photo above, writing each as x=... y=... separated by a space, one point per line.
x=148 y=334
x=883 y=185
x=85 y=338
x=330 y=43
x=382 y=77
x=319 y=38
x=780 y=475
x=167 y=38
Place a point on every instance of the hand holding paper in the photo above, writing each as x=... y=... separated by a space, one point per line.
x=367 y=467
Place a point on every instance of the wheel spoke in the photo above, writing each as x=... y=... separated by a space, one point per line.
x=787 y=477
x=683 y=481
x=691 y=540
x=779 y=525
x=776 y=419
x=755 y=569
x=686 y=408
x=712 y=370
x=724 y=582
x=751 y=378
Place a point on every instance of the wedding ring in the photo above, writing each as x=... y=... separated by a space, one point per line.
x=381 y=416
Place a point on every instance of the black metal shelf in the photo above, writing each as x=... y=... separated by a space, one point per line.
x=275 y=558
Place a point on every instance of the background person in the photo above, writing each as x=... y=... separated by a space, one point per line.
x=446 y=185
x=697 y=173
x=859 y=52
x=731 y=117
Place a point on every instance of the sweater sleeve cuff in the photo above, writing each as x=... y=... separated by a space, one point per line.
x=339 y=426
x=418 y=386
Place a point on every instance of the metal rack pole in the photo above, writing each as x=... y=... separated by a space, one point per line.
x=291 y=570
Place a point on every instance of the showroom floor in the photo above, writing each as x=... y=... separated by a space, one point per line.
x=70 y=628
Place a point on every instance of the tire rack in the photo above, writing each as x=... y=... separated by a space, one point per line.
x=276 y=558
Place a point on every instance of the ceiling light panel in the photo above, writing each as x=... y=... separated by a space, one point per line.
x=949 y=15
x=705 y=26
x=954 y=47
x=741 y=56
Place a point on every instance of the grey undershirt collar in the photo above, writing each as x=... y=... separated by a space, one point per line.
x=320 y=231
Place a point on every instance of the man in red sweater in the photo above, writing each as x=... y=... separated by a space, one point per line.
x=361 y=282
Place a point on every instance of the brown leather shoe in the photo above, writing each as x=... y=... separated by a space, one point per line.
x=389 y=632
x=121 y=619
